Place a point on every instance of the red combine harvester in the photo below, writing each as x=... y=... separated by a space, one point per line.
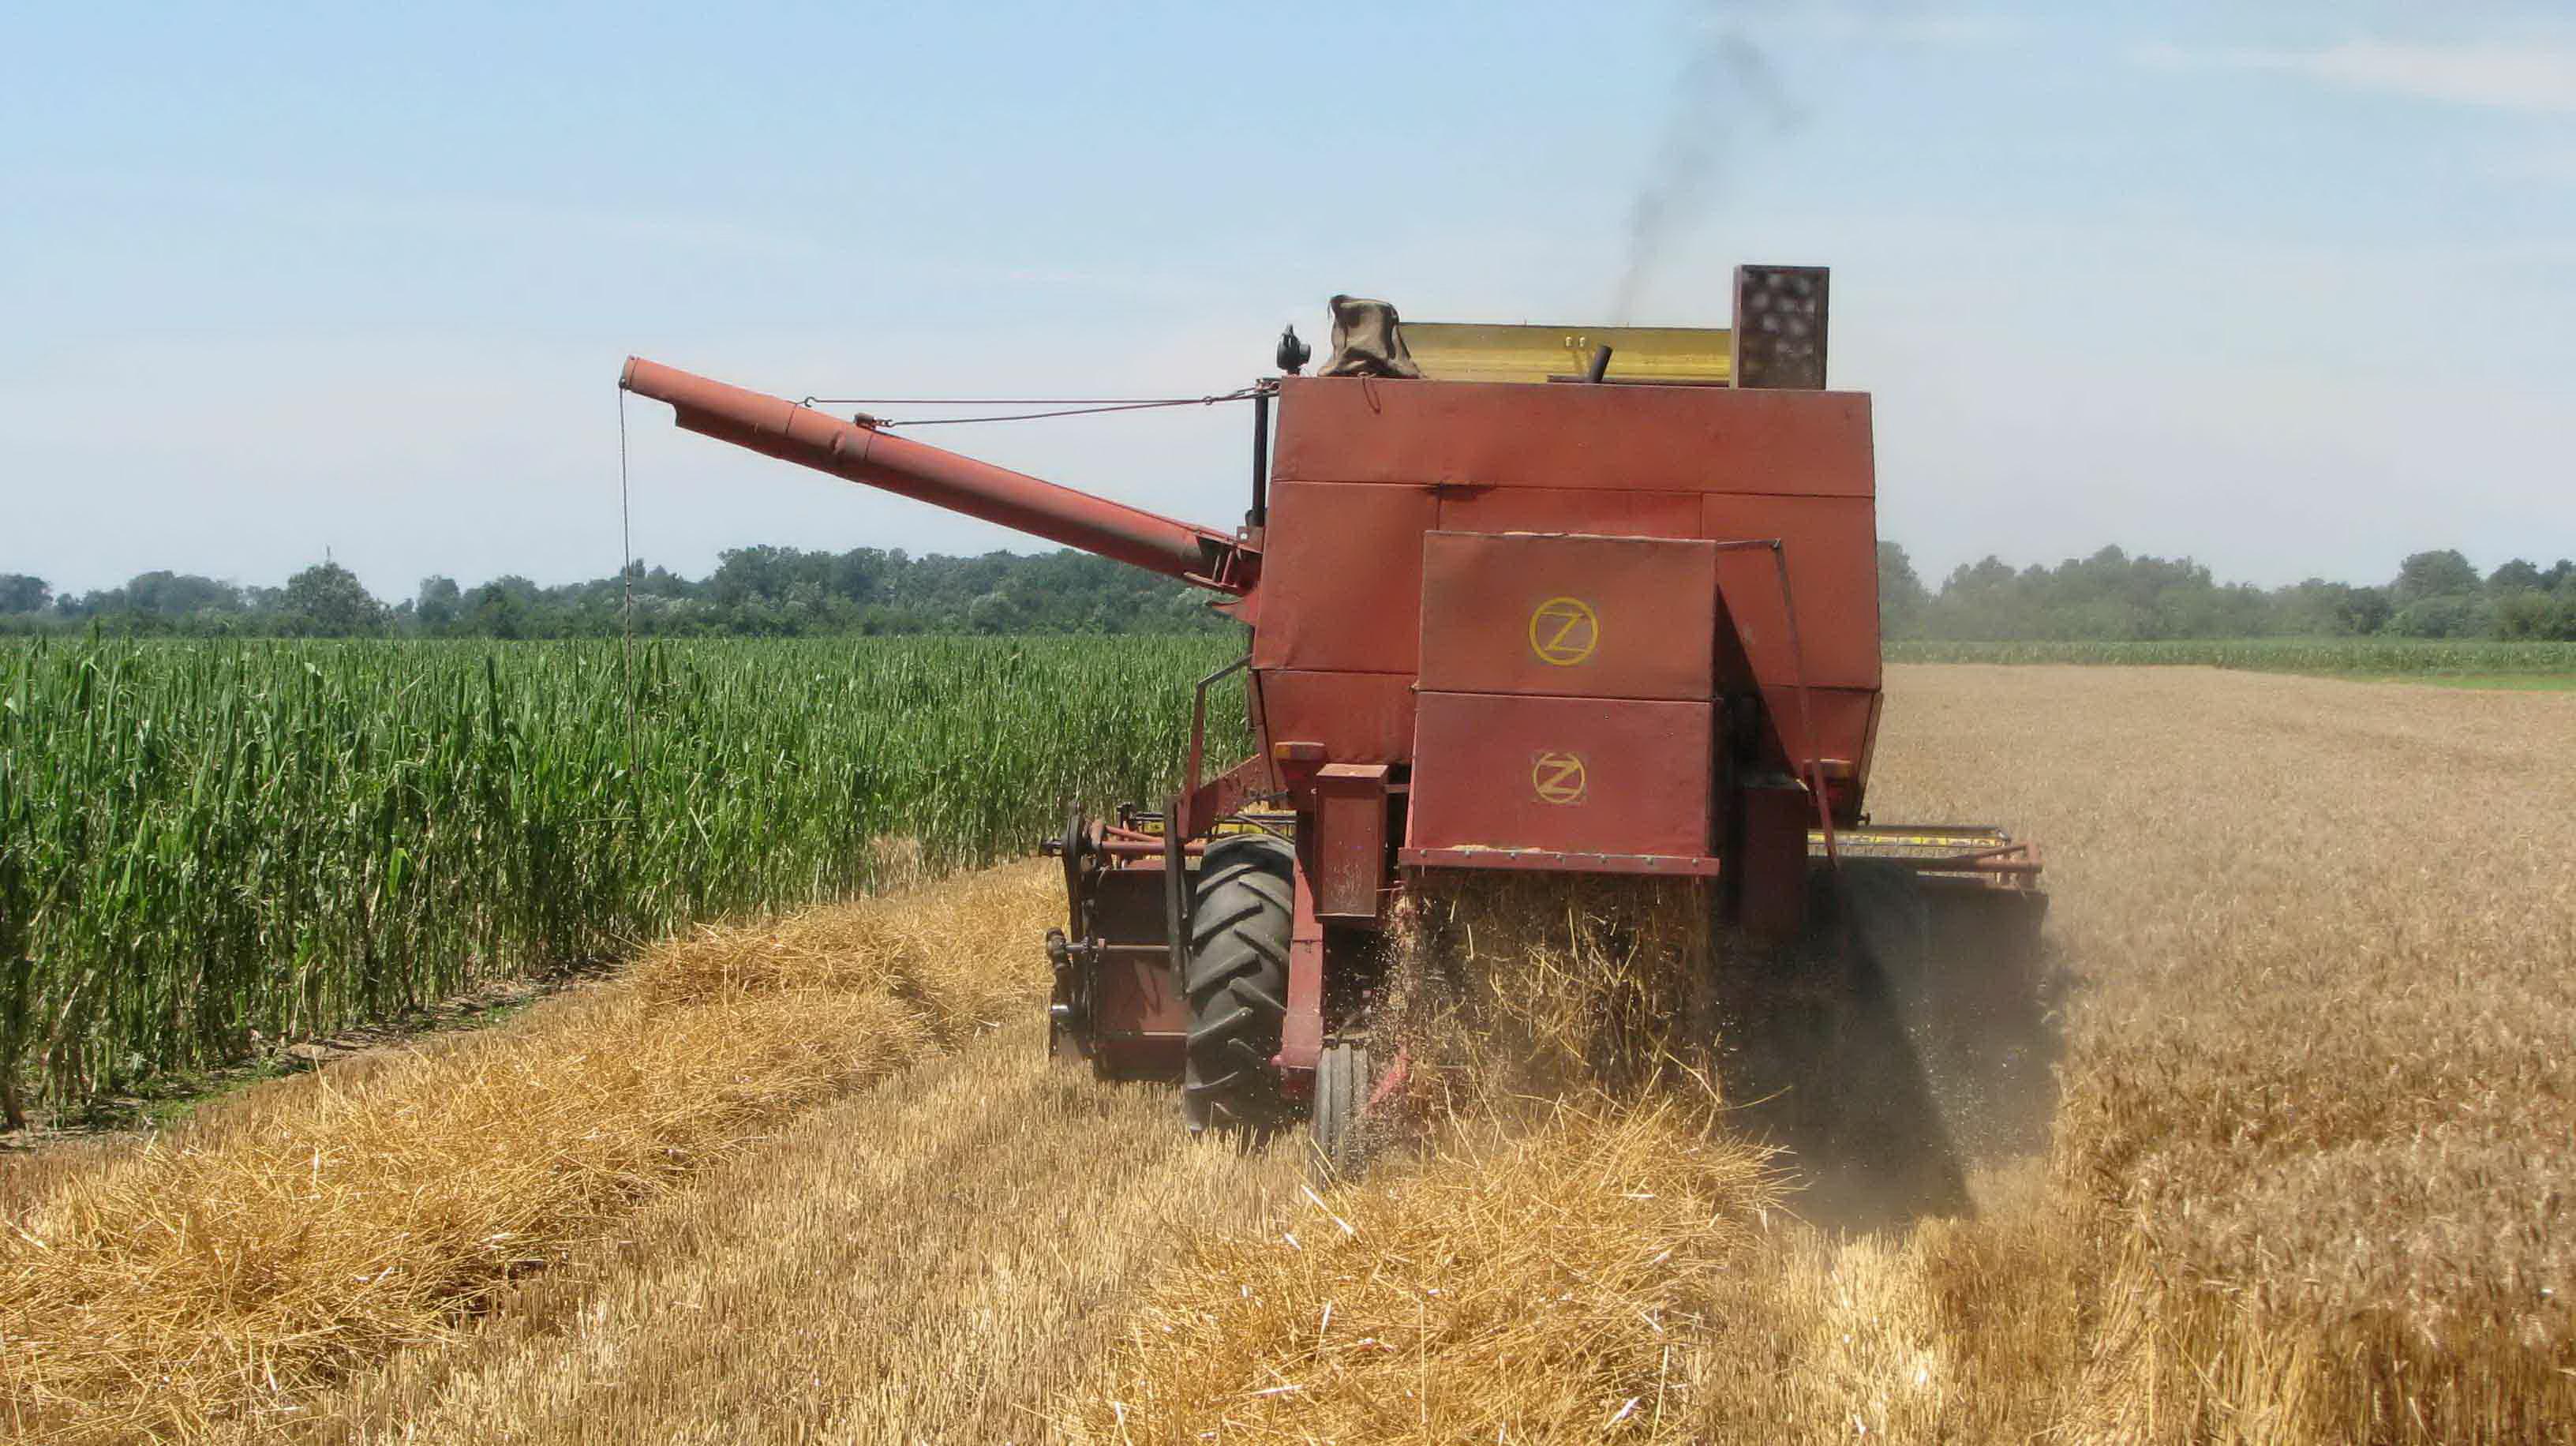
x=1582 y=600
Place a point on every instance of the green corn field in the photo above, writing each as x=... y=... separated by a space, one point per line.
x=207 y=845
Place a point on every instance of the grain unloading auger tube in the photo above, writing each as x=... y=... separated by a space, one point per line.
x=795 y=433
x=1514 y=607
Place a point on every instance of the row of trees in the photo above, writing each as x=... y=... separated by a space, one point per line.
x=754 y=592
x=787 y=592
x=2113 y=596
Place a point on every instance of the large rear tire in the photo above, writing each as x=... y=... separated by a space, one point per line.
x=1237 y=982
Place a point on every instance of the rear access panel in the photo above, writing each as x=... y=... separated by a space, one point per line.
x=1569 y=615
x=1581 y=784
x=1357 y=717
x=1341 y=578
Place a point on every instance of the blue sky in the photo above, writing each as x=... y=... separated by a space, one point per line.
x=2288 y=288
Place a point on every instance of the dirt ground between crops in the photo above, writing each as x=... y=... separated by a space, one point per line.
x=2308 y=1180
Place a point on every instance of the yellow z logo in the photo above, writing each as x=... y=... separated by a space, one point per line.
x=1557 y=778
x=1564 y=631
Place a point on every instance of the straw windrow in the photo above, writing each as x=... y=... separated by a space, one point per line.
x=321 y=1222
x=1539 y=1278
x=1553 y=1207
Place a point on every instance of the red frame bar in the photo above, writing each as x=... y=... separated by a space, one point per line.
x=1551 y=861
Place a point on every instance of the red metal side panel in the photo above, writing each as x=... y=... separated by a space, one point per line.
x=1577 y=775
x=1139 y=1021
x=1301 y=1032
x=1341 y=578
x=1358 y=717
x=1603 y=617
x=1641 y=439
x=1571 y=509
x=1831 y=544
x=1772 y=902
x=1350 y=840
x=1136 y=996
x=1842 y=718
x=1868 y=751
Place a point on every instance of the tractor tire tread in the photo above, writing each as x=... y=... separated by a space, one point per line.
x=1241 y=909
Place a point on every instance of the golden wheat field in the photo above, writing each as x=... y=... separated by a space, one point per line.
x=815 y=1181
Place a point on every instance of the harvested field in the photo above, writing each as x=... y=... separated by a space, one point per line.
x=317 y=1224
x=931 y=1260
x=2308 y=1180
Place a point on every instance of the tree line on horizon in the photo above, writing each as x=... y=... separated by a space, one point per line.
x=2113 y=596
x=790 y=592
x=753 y=592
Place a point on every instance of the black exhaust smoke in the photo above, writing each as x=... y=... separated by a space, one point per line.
x=1726 y=84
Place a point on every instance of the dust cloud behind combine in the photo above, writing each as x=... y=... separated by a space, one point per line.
x=2305 y=1180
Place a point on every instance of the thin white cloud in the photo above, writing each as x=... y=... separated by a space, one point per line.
x=1964 y=30
x=1896 y=24
x=2552 y=165
x=2533 y=76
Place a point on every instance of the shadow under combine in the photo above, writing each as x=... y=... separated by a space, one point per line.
x=1916 y=1034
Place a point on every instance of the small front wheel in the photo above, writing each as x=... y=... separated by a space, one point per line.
x=1343 y=1080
